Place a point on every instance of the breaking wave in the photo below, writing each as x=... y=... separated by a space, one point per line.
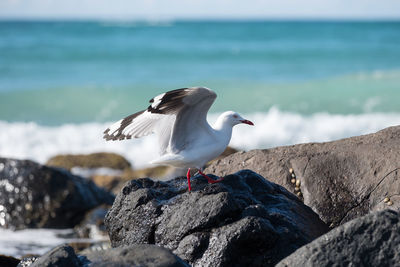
x=29 y=140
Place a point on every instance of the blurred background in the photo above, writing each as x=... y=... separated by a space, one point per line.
x=303 y=71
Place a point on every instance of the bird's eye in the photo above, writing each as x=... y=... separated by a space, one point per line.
x=235 y=116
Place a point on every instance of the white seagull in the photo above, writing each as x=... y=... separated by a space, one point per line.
x=179 y=118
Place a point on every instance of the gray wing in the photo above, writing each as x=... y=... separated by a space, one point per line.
x=173 y=116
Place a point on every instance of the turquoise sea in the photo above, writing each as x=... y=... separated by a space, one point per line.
x=63 y=82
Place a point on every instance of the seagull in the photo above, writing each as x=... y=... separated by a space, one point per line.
x=179 y=119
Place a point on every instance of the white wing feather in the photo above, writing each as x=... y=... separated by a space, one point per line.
x=177 y=117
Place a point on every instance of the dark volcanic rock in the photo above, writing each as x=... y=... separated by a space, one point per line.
x=33 y=195
x=61 y=256
x=339 y=180
x=136 y=255
x=8 y=261
x=243 y=221
x=372 y=240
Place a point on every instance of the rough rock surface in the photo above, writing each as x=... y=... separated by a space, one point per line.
x=136 y=255
x=36 y=196
x=372 y=240
x=61 y=256
x=339 y=180
x=243 y=221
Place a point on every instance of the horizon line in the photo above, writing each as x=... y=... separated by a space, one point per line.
x=200 y=19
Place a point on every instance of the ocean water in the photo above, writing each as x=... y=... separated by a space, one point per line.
x=38 y=241
x=63 y=83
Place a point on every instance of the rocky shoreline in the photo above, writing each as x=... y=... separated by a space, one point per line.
x=317 y=204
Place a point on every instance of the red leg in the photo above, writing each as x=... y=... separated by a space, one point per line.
x=210 y=180
x=188 y=178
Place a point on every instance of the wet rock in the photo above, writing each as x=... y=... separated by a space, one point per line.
x=90 y=161
x=37 y=196
x=61 y=256
x=339 y=180
x=27 y=261
x=372 y=240
x=243 y=221
x=136 y=255
x=8 y=261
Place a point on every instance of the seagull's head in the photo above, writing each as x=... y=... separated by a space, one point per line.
x=233 y=118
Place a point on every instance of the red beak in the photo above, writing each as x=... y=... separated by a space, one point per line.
x=247 y=122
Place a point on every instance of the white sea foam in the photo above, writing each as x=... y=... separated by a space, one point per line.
x=277 y=128
x=273 y=128
x=35 y=241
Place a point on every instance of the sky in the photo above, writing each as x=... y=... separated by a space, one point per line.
x=200 y=9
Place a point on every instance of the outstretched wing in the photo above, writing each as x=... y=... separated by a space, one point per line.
x=136 y=125
x=172 y=115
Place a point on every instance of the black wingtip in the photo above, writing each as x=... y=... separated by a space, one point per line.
x=118 y=137
x=117 y=134
x=109 y=137
x=106 y=135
